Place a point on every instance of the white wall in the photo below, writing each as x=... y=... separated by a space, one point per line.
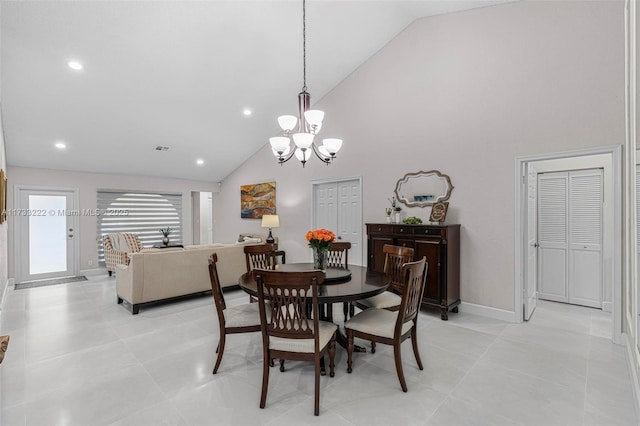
x=464 y=93
x=88 y=184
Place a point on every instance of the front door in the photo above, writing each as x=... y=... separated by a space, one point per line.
x=46 y=227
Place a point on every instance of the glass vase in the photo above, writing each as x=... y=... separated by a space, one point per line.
x=319 y=259
x=165 y=240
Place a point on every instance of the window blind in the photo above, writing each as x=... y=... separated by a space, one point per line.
x=141 y=213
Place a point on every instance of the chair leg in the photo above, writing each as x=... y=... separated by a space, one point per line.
x=110 y=273
x=316 y=404
x=220 y=352
x=414 y=343
x=373 y=347
x=282 y=365
x=332 y=355
x=265 y=378
x=349 y=351
x=397 y=355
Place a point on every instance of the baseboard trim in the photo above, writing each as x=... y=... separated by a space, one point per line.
x=635 y=385
x=607 y=306
x=488 y=311
x=94 y=272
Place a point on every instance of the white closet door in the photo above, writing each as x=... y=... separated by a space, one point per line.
x=585 y=238
x=552 y=236
x=326 y=208
x=350 y=218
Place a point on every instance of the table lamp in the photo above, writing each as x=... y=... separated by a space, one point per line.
x=270 y=221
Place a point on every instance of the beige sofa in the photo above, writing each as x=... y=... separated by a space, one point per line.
x=157 y=274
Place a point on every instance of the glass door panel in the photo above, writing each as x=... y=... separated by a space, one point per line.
x=46 y=234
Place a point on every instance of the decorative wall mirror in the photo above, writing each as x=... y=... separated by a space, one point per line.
x=422 y=189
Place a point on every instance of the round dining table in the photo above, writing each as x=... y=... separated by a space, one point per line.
x=340 y=285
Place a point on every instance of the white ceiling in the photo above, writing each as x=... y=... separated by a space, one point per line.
x=177 y=74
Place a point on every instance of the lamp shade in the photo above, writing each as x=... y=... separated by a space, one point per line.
x=270 y=221
x=287 y=122
x=303 y=140
x=332 y=145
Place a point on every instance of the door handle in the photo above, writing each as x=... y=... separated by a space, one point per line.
x=339 y=237
x=536 y=245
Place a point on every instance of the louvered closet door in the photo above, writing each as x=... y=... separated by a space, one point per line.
x=585 y=238
x=553 y=243
x=570 y=237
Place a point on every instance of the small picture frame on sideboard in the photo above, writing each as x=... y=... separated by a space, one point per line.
x=439 y=212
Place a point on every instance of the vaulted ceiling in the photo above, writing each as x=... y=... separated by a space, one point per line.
x=176 y=74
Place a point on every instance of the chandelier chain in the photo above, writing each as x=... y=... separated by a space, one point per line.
x=304 y=46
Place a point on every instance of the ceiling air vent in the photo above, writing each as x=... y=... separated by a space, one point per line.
x=162 y=148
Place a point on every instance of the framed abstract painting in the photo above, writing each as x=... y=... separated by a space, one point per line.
x=257 y=199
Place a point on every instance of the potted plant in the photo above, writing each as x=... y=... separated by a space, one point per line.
x=165 y=235
x=388 y=211
x=395 y=208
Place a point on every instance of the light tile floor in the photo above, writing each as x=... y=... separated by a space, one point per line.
x=78 y=358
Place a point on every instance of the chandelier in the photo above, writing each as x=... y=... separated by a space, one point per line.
x=308 y=122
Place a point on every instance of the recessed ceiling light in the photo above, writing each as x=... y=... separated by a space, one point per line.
x=75 y=65
x=247 y=112
x=199 y=161
x=61 y=145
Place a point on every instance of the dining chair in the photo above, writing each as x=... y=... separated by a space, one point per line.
x=233 y=320
x=392 y=327
x=260 y=256
x=338 y=257
x=292 y=331
x=395 y=257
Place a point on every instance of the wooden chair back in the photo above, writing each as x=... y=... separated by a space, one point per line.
x=395 y=257
x=216 y=288
x=260 y=256
x=290 y=294
x=338 y=255
x=415 y=275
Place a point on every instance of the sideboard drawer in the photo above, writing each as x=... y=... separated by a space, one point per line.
x=379 y=229
x=429 y=231
x=403 y=230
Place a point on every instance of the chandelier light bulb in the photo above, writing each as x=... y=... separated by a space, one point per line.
x=287 y=122
x=301 y=155
x=284 y=153
x=332 y=145
x=279 y=143
x=324 y=152
x=303 y=140
x=314 y=117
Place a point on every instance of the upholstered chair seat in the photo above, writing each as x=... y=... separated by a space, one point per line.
x=244 y=315
x=379 y=322
x=381 y=301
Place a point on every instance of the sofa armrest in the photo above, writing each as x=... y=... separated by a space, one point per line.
x=130 y=280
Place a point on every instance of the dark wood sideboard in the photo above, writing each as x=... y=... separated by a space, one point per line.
x=441 y=246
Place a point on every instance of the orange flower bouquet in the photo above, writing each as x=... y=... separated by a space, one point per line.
x=320 y=241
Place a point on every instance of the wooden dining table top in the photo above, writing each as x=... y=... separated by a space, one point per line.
x=360 y=284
